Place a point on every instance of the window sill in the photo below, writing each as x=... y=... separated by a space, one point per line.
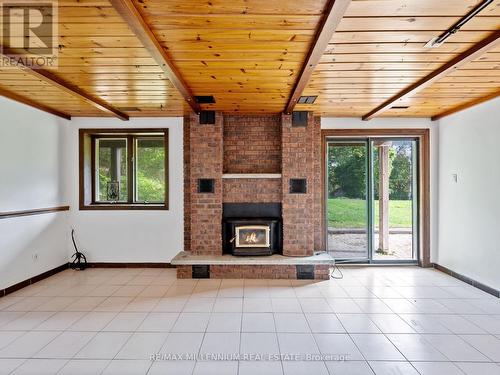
x=124 y=207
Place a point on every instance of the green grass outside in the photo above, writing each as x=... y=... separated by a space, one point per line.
x=352 y=213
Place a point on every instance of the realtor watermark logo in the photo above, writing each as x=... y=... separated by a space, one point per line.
x=29 y=33
x=254 y=357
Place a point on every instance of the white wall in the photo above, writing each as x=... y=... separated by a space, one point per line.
x=129 y=236
x=469 y=222
x=39 y=168
x=413 y=123
x=31 y=169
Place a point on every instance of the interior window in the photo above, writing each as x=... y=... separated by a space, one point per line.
x=121 y=170
x=150 y=170
x=111 y=160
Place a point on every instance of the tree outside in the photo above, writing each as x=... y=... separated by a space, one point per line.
x=149 y=170
x=347 y=207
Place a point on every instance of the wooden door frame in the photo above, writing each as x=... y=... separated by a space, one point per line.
x=423 y=134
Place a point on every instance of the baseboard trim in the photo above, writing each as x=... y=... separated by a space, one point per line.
x=128 y=265
x=468 y=280
x=32 y=280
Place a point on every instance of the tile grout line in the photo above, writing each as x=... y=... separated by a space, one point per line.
x=276 y=335
x=426 y=312
x=312 y=334
x=129 y=337
x=168 y=333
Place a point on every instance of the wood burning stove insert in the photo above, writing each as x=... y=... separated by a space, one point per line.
x=252 y=228
x=252 y=236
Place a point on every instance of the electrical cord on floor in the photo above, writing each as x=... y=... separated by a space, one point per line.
x=336 y=267
x=80 y=261
x=332 y=274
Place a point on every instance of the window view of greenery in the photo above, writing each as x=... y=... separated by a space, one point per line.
x=112 y=167
x=347 y=206
x=150 y=170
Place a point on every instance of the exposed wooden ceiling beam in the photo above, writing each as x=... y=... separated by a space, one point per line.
x=136 y=22
x=470 y=104
x=333 y=14
x=31 y=103
x=65 y=86
x=471 y=54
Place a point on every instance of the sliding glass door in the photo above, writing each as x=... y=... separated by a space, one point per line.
x=347 y=199
x=394 y=207
x=371 y=192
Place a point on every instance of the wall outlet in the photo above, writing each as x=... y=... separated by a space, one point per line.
x=455 y=177
x=35 y=257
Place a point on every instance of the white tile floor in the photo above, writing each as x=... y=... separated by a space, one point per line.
x=376 y=320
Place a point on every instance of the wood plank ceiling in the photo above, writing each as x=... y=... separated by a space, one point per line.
x=99 y=54
x=248 y=54
x=378 y=51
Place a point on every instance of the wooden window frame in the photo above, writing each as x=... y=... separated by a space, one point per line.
x=423 y=134
x=87 y=168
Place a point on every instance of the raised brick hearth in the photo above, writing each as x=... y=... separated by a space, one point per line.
x=228 y=271
x=274 y=152
x=269 y=267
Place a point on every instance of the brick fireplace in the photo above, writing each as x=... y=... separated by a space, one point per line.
x=252 y=159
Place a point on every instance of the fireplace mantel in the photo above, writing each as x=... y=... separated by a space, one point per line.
x=250 y=175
